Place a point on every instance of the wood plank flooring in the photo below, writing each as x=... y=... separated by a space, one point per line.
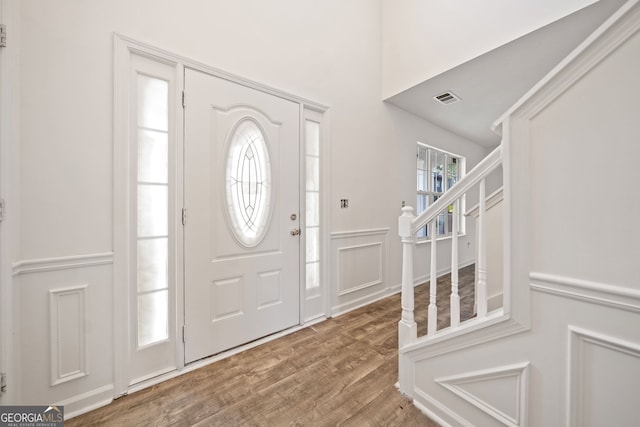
x=466 y=291
x=338 y=372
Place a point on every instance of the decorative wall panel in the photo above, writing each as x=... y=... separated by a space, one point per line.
x=604 y=379
x=359 y=268
x=500 y=392
x=68 y=318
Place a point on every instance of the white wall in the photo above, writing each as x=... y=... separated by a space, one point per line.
x=402 y=131
x=407 y=130
x=571 y=355
x=325 y=51
x=424 y=38
x=584 y=176
x=67 y=90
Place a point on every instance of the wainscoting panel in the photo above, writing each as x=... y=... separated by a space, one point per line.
x=359 y=268
x=64 y=331
x=604 y=380
x=68 y=322
x=499 y=392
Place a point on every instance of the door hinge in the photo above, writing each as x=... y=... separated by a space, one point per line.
x=184 y=340
x=1 y=210
x=3 y=382
x=184 y=216
x=3 y=35
x=183 y=102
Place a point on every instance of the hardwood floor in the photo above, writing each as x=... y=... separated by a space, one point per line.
x=338 y=372
x=466 y=291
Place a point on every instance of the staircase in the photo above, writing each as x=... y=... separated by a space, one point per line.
x=551 y=341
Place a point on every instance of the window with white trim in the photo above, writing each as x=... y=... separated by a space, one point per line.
x=152 y=202
x=316 y=292
x=437 y=172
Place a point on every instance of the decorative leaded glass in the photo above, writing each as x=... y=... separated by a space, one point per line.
x=248 y=183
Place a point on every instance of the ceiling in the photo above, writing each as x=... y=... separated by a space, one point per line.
x=490 y=84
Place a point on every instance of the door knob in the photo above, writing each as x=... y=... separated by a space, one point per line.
x=295 y=232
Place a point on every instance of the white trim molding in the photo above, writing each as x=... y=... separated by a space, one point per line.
x=471 y=333
x=10 y=168
x=437 y=410
x=624 y=298
x=612 y=33
x=492 y=200
x=86 y=402
x=359 y=233
x=40 y=265
x=581 y=373
x=148 y=50
x=69 y=346
x=517 y=373
x=377 y=281
x=360 y=268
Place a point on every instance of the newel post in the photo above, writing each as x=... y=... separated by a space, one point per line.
x=407 y=328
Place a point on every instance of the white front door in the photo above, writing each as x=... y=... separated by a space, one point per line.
x=241 y=195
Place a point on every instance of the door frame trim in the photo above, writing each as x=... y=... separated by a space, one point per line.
x=123 y=51
x=10 y=192
x=124 y=47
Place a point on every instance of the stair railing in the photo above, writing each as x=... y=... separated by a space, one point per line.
x=408 y=227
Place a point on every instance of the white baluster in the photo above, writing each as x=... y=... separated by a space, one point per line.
x=407 y=329
x=481 y=298
x=455 y=298
x=432 y=321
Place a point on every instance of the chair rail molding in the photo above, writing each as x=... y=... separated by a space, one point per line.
x=38 y=265
x=625 y=298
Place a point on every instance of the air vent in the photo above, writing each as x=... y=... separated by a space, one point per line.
x=447 y=98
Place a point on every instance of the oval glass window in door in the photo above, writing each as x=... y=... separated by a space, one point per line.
x=248 y=183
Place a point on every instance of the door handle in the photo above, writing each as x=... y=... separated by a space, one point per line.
x=295 y=232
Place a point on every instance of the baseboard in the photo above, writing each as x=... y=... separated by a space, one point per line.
x=361 y=302
x=425 y=277
x=494 y=302
x=86 y=402
x=436 y=410
x=103 y=396
x=429 y=413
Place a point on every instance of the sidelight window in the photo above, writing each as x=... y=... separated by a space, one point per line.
x=312 y=191
x=152 y=192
